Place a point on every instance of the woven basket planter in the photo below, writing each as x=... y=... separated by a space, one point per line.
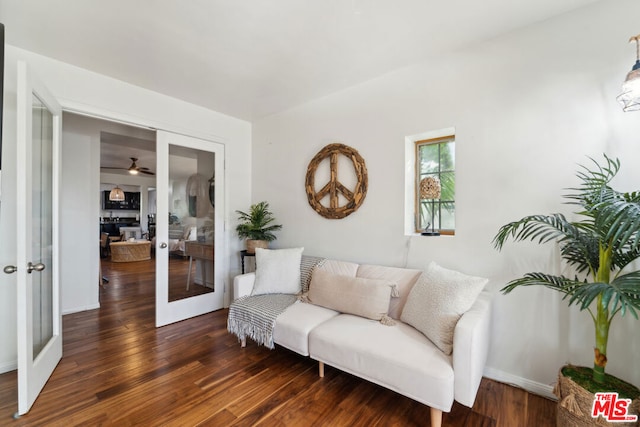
x=575 y=404
x=253 y=244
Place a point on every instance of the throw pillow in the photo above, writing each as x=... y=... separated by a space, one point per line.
x=438 y=299
x=352 y=295
x=277 y=271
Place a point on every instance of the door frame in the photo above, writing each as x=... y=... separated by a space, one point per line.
x=100 y=113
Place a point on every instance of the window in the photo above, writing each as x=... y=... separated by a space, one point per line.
x=435 y=158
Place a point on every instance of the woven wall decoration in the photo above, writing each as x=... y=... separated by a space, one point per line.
x=334 y=188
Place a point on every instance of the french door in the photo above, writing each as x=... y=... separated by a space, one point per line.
x=39 y=124
x=189 y=227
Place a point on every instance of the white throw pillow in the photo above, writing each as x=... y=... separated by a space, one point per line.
x=277 y=271
x=438 y=299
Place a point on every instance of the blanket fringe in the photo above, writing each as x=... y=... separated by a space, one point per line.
x=304 y=298
x=244 y=329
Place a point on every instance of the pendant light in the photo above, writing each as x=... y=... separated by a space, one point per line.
x=116 y=195
x=630 y=96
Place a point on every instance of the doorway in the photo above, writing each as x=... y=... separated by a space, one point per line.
x=106 y=150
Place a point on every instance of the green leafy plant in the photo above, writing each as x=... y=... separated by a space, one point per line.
x=257 y=224
x=604 y=241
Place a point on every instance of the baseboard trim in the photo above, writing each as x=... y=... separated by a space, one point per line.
x=79 y=309
x=534 y=387
x=8 y=366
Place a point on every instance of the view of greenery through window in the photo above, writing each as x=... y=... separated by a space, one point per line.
x=436 y=158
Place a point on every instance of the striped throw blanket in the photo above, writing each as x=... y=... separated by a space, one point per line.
x=254 y=316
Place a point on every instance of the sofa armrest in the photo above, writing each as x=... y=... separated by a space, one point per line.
x=243 y=285
x=470 y=349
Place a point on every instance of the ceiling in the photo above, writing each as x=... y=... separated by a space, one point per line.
x=116 y=151
x=252 y=58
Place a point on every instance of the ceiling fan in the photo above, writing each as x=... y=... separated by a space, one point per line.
x=134 y=169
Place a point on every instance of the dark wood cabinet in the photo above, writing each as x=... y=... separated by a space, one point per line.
x=131 y=201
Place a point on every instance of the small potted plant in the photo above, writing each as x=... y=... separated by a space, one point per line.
x=601 y=247
x=257 y=226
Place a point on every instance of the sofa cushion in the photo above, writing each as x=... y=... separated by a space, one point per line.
x=343 y=268
x=404 y=278
x=277 y=271
x=437 y=301
x=291 y=329
x=399 y=358
x=355 y=295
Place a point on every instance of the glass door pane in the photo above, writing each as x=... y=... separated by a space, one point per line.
x=191 y=220
x=42 y=234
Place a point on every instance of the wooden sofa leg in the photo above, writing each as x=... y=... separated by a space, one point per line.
x=436 y=417
x=321 y=369
x=243 y=342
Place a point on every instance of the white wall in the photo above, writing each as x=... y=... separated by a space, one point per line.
x=527 y=107
x=82 y=90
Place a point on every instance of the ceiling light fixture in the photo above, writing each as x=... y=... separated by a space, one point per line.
x=133 y=169
x=630 y=96
x=116 y=195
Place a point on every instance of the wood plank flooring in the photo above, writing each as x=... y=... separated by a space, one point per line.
x=118 y=369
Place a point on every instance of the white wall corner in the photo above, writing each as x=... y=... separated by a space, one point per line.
x=79 y=309
x=544 y=390
x=9 y=366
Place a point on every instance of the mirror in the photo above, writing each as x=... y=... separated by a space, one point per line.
x=191 y=222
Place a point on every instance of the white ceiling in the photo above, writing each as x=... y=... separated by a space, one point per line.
x=116 y=152
x=252 y=58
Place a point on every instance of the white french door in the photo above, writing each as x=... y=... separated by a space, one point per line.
x=189 y=227
x=39 y=120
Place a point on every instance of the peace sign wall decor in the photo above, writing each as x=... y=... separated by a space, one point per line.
x=335 y=188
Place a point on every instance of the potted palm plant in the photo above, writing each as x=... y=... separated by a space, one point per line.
x=600 y=246
x=257 y=226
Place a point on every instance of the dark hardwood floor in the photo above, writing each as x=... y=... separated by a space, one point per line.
x=118 y=369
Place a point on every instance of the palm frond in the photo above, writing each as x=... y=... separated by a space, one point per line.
x=622 y=258
x=627 y=293
x=580 y=251
x=557 y=283
x=620 y=222
x=542 y=228
x=622 y=293
x=594 y=182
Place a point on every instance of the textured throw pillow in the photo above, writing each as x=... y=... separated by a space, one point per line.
x=277 y=271
x=353 y=295
x=438 y=299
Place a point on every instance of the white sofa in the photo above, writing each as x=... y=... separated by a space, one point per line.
x=397 y=357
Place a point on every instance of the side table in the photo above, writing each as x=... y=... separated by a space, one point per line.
x=243 y=254
x=201 y=251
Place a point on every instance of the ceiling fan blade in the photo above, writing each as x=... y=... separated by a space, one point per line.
x=107 y=167
x=146 y=172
